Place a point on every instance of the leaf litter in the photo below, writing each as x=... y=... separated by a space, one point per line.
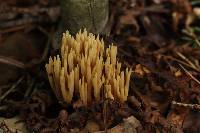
x=158 y=39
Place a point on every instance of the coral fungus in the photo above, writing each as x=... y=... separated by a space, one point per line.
x=86 y=70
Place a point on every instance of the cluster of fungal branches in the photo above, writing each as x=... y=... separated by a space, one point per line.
x=87 y=70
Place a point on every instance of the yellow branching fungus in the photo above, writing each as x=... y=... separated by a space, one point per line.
x=82 y=70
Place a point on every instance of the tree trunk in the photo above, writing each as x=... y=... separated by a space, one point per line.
x=80 y=14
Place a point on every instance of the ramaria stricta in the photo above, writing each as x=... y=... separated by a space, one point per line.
x=87 y=71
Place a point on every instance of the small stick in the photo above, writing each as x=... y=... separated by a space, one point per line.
x=197 y=41
x=182 y=62
x=12 y=88
x=14 y=28
x=192 y=106
x=13 y=62
x=187 y=72
x=187 y=60
x=44 y=54
x=29 y=88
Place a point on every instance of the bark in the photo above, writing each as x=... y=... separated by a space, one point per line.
x=80 y=14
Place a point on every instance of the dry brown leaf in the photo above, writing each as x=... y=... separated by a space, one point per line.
x=177 y=118
x=178 y=73
x=14 y=125
x=141 y=70
x=91 y=127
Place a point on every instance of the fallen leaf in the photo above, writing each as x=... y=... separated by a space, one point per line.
x=141 y=70
x=91 y=127
x=14 y=125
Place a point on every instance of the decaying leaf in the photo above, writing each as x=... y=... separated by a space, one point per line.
x=13 y=125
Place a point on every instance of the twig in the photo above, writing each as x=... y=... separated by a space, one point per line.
x=12 y=88
x=14 y=28
x=10 y=61
x=30 y=15
x=191 y=106
x=189 y=33
x=187 y=60
x=44 y=55
x=187 y=72
x=174 y=59
x=182 y=62
x=16 y=63
x=29 y=88
x=197 y=41
x=19 y=22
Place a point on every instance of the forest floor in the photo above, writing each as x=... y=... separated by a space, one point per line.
x=158 y=39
